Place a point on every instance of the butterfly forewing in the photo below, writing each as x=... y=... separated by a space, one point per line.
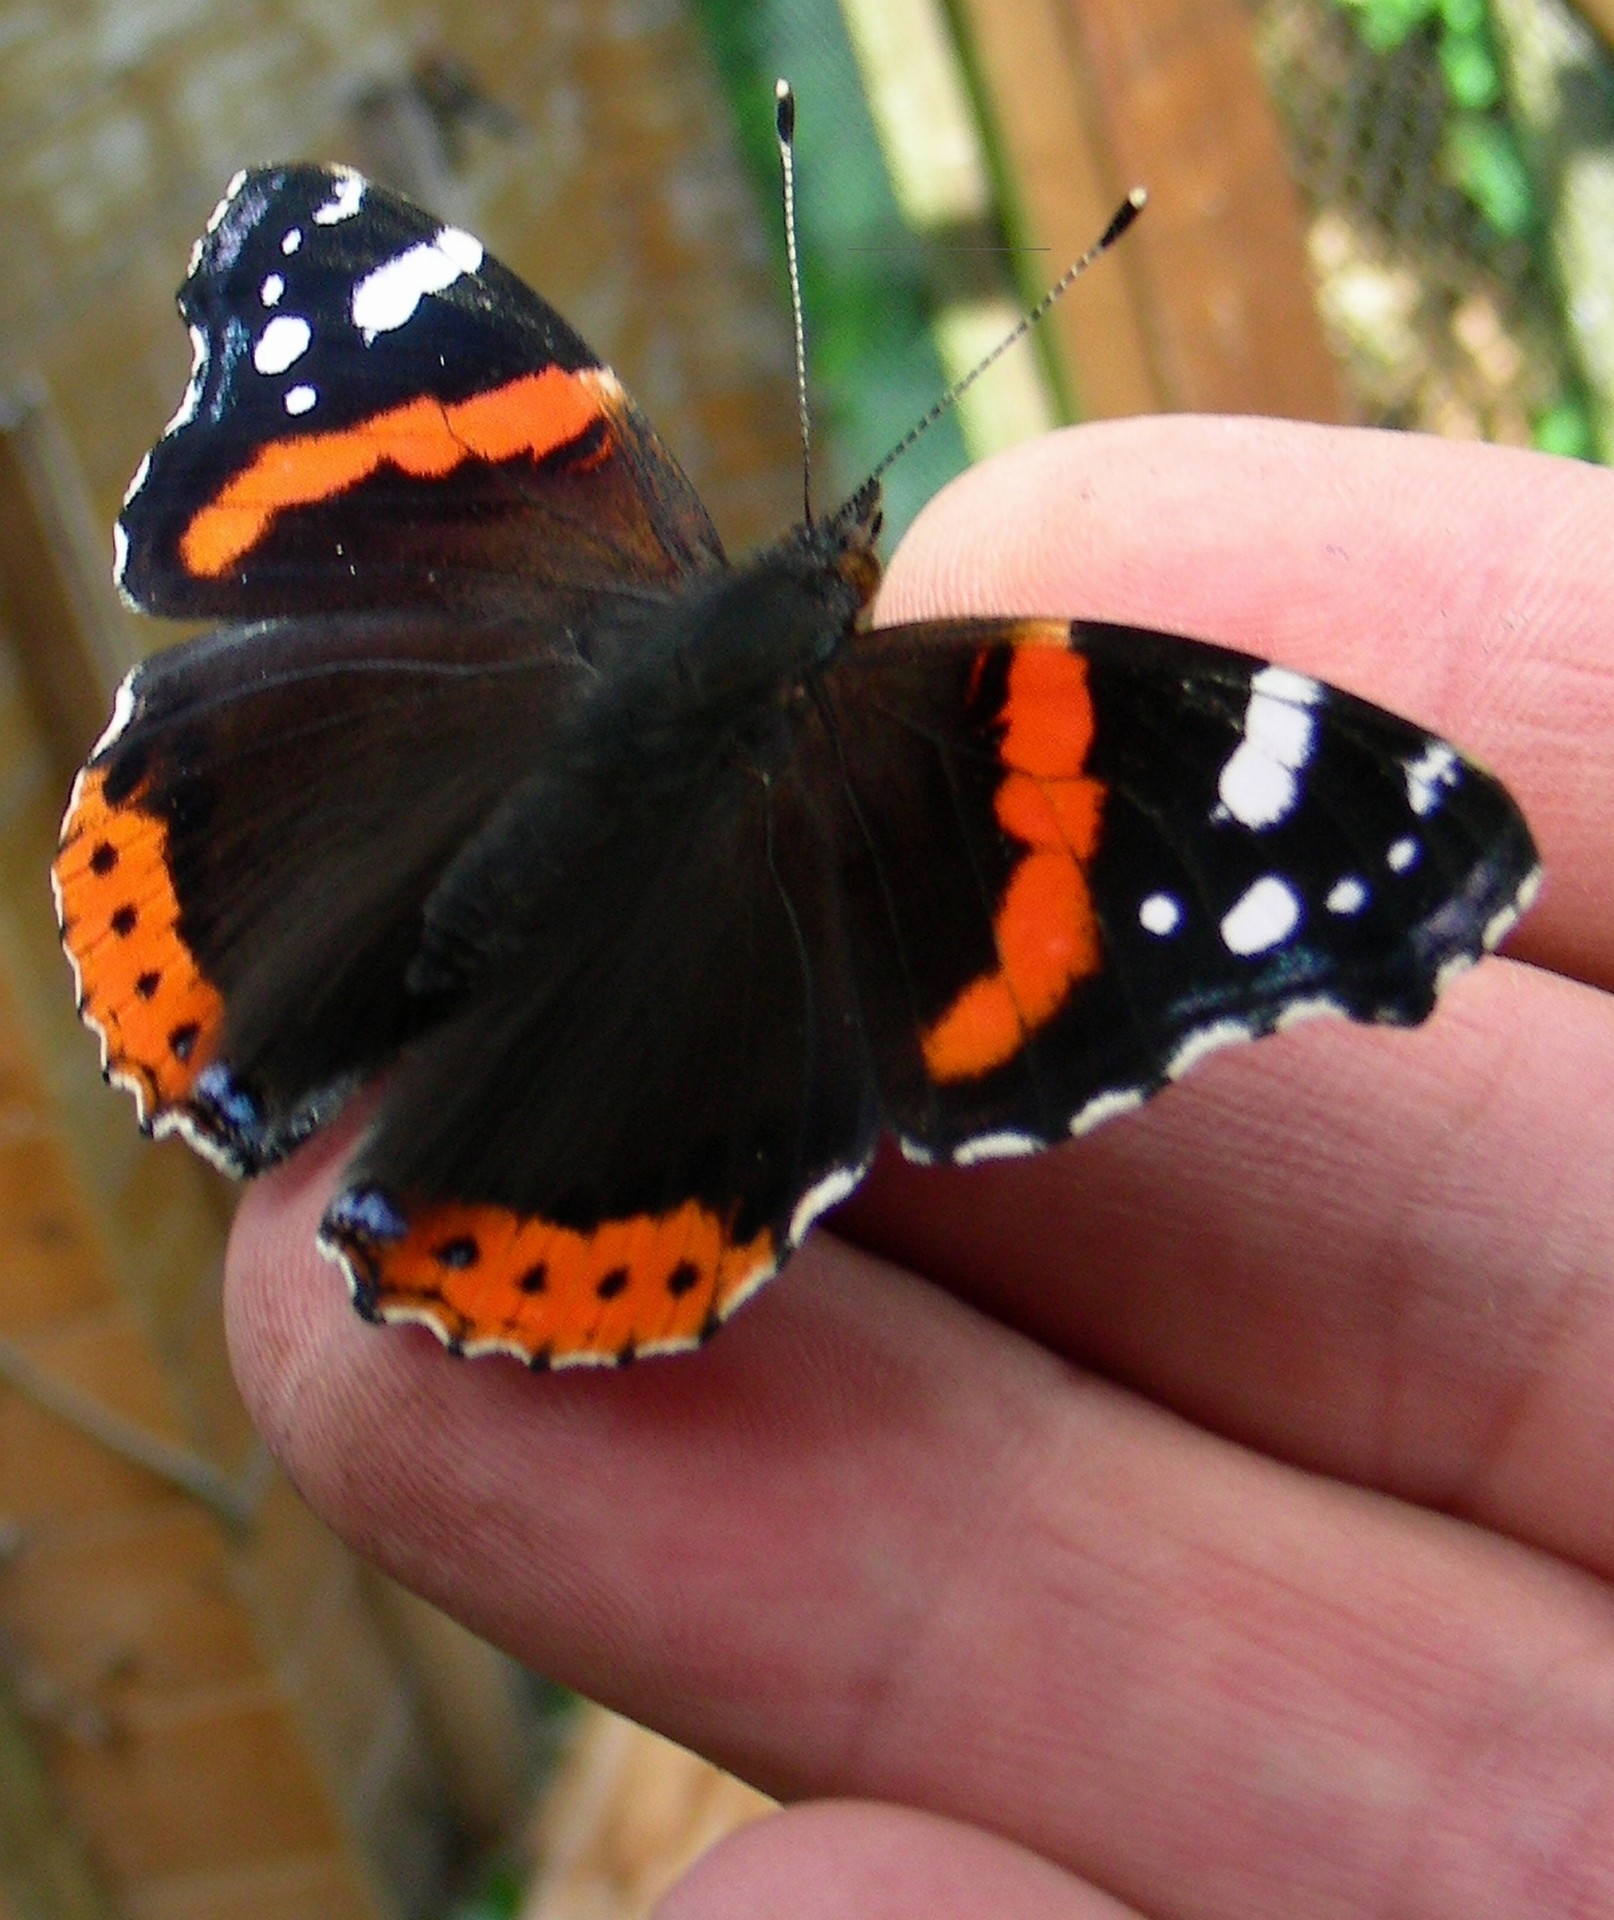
x=381 y=415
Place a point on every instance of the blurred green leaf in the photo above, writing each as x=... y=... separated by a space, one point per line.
x=1466 y=18
x=1385 y=24
x=1567 y=429
x=1472 y=77
x=1482 y=159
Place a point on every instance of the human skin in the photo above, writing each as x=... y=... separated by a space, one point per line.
x=1208 y=1519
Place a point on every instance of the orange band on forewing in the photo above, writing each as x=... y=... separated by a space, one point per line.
x=1045 y=931
x=485 y=1277
x=139 y=984
x=1047 y=713
x=532 y=417
x=1050 y=813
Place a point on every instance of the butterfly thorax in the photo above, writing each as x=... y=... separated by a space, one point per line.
x=715 y=671
x=709 y=685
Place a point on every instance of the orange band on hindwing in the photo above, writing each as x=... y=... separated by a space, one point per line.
x=140 y=987
x=534 y=417
x=1044 y=929
x=486 y=1278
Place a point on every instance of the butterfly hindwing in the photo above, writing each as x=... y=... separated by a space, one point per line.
x=246 y=857
x=641 y=1108
x=381 y=415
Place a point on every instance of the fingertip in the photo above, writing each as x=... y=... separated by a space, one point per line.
x=1277 y=535
x=860 y=1860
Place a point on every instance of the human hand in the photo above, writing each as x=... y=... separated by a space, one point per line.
x=1207 y=1519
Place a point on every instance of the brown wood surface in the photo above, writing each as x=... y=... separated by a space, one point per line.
x=1600 y=14
x=273 y=1751
x=168 y=1740
x=1092 y=96
x=627 y=1814
x=1063 y=186
x=49 y=585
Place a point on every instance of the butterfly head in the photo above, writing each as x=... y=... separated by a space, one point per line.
x=849 y=535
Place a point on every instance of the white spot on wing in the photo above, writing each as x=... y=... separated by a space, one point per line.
x=271 y=290
x=347 y=196
x=386 y=297
x=1256 y=790
x=463 y=248
x=1346 y=896
x=1434 y=769
x=1160 y=914
x=123 y=706
x=120 y=553
x=214 y=219
x=1262 y=918
x=1403 y=854
x=1502 y=923
x=829 y=1192
x=299 y=399
x=283 y=342
x=1259 y=784
x=291 y=240
x=190 y=399
x=139 y=479
x=1206 y=1041
x=237 y=181
x=995 y=1146
x=1107 y=1106
x=1283 y=683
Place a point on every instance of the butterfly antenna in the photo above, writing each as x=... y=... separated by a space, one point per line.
x=784 y=122
x=1122 y=218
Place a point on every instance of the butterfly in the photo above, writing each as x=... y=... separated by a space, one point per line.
x=655 y=889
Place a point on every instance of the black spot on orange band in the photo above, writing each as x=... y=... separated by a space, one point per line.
x=140 y=987
x=484 y=1277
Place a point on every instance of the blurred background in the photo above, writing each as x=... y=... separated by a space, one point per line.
x=1387 y=211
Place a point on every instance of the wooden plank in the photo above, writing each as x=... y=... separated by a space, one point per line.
x=1064 y=185
x=167 y=1738
x=1222 y=251
x=1208 y=306
x=627 y=1815
x=468 y=1699
x=43 y=1872
x=318 y=1889
x=1599 y=15
x=55 y=589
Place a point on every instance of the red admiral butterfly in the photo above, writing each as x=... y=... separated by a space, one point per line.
x=659 y=887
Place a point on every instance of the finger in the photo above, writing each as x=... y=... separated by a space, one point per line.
x=849 y=1861
x=1466 y=586
x=869 y=1543
x=1383 y=1255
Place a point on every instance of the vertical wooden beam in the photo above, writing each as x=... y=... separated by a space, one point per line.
x=42 y=1871
x=56 y=594
x=1167 y=93
x=1600 y=13
x=1063 y=184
